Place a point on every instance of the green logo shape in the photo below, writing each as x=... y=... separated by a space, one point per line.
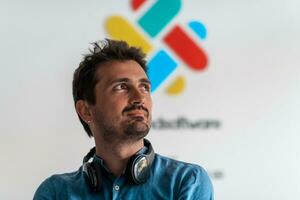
x=159 y=15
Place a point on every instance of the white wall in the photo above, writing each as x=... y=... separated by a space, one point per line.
x=251 y=86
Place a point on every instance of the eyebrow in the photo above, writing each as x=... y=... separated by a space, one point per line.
x=145 y=80
x=126 y=80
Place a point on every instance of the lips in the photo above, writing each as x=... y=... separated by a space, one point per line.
x=136 y=110
x=137 y=113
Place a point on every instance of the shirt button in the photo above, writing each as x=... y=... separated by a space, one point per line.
x=116 y=187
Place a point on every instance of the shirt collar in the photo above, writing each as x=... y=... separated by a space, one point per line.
x=100 y=160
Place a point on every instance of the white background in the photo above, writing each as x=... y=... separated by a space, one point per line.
x=251 y=85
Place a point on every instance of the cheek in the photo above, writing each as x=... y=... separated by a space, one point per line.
x=149 y=104
x=109 y=107
x=150 y=100
x=117 y=105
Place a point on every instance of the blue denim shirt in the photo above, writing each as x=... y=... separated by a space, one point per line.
x=169 y=179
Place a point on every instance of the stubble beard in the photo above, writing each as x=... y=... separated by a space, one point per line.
x=136 y=130
x=126 y=132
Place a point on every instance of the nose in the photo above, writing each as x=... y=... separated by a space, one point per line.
x=136 y=97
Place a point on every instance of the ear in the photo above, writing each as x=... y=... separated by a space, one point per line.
x=83 y=110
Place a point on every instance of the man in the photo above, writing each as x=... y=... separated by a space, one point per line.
x=112 y=98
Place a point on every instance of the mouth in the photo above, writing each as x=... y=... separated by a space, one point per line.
x=137 y=114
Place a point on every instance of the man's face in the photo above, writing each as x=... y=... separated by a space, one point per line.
x=123 y=107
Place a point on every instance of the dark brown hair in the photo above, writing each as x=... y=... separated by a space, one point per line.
x=84 y=79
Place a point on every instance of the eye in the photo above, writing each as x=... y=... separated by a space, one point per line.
x=121 y=86
x=146 y=87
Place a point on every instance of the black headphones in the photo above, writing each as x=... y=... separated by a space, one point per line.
x=138 y=168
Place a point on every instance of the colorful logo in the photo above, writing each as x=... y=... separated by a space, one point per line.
x=180 y=46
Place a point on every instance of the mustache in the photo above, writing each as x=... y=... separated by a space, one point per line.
x=135 y=107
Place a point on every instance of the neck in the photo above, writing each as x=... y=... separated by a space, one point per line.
x=116 y=156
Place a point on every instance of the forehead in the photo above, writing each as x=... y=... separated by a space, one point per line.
x=120 y=69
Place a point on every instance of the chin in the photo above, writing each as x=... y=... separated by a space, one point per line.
x=137 y=129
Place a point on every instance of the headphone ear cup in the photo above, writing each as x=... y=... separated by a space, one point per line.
x=88 y=174
x=129 y=168
x=98 y=175
x=139 y=169
x=93 y=176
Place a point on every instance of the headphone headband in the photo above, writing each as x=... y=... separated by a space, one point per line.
x=89 y=155
x=150 y=152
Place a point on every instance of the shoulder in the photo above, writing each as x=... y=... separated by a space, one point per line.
x=192 y=181
x=51 y=186
x=64 y=179
x=176 y=165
